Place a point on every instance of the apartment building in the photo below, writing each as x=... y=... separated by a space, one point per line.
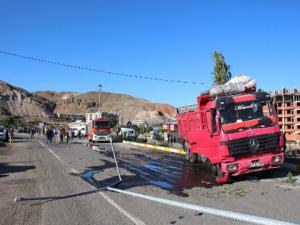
x=288 y=109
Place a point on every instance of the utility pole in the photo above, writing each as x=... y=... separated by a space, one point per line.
x=99 y=89
x=122 y=114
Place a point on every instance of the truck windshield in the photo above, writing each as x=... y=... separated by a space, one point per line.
x=101 y=124
x=245 y=111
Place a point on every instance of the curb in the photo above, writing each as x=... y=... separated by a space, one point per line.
x=157 y=148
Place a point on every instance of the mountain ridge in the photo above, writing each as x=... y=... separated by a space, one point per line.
x=17 y=101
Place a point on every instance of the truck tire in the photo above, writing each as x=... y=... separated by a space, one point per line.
x=187 y=151
x=186 y=148
x=202 y=159
x=193 y=157
x=190 y=157
x=218 y=176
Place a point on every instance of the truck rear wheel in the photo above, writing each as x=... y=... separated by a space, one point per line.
x=191 y=157
x=194 y=157
x=202 y=159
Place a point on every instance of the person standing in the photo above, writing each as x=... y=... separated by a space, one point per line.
x=69 y=134
x=49 y=135
x=32 y=131
x=79 y=134
x=72 y=134
x=11 y=135
x=58 y=136
x=62 y=134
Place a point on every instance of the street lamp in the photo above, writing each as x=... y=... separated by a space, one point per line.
x=99 y=88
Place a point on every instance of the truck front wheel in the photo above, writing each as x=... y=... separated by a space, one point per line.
x=218 y=176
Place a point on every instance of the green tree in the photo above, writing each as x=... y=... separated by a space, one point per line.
x=221 y=69
x=142 y=129
x=112 y=119
x=8 y=121
x=136 y=128
x=148 y=129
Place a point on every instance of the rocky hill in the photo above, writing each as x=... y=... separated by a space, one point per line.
x=19 y=102
x=130 y=107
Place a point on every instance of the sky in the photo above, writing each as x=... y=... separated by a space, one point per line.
x=169 y=39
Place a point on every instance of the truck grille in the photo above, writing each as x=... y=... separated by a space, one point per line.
x=255 y=144
x=101 y=138
x=101 y=133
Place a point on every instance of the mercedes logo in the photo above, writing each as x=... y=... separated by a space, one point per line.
x=253 y=144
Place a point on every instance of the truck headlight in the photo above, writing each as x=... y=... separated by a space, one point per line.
x=276 y=159
x=232 y=167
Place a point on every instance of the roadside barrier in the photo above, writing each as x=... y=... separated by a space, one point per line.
x=156 y=147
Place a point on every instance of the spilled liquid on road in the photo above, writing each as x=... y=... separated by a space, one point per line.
x=169 y=172
x=89 y=176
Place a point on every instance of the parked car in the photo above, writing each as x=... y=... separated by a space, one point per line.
x=3 y=134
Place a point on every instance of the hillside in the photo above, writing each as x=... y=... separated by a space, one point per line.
x=16 y=101
x=131 y=107
x=19 y=102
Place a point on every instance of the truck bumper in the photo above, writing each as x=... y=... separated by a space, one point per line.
x=252 y=164
x=101 y=138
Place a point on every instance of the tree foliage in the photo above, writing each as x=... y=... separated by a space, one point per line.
x=148 y=129
x=112 y=119
x=8 y=121
x=221 y=69
x=136 y=128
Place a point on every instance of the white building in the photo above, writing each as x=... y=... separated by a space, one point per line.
x=77 y=126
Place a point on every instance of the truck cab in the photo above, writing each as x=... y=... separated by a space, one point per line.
x=99 y=130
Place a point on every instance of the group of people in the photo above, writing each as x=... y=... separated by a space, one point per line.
x=60 y=135
x=169 y=138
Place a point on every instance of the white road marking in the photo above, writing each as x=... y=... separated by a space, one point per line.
x=134 y=219
x=52 y=152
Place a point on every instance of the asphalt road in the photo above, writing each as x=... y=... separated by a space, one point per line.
x=31 y=168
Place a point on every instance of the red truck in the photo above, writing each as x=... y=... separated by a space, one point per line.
x=235 y=134
x=99 y=130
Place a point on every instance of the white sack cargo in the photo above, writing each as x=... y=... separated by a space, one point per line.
x=235 y=85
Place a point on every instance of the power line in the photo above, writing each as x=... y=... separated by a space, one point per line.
x=97 y=70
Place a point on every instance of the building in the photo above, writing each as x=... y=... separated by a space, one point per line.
x=114 y=117
x=170 y=125
x=70 y=116
x=288 y=110
x=92 y=116
x=139 y=123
